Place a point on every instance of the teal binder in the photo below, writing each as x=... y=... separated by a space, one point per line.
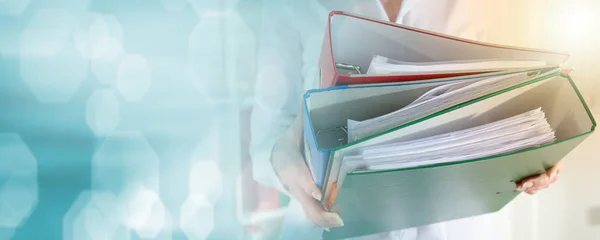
x=381 y=201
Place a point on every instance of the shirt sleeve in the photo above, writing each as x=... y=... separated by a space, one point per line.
x=278 y=87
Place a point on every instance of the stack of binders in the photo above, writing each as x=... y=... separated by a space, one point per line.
x=413 y=128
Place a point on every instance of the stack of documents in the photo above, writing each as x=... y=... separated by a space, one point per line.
x=412 y=127
x=383 y=65
x=526 y=130
x=435 y=100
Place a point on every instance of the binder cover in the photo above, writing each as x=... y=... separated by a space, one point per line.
x=354 y=40
x=381 y=201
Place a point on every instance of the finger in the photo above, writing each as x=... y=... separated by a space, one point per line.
x=554 y=171
x=315 y=212
x=311 y=211
x=556 y=167
x=539 y=183
x=554 y=178
x=534 y=183
x=526 y=184
x=309 y=187
x=531 y=192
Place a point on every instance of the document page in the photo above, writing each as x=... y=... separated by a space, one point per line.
x=384 y=65
x=433 y=101
x=526 y=130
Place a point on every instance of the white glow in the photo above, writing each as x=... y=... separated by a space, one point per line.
x=206 y=179
x=196 y=217
x=146 y=213
x=98 y=37
x=47 y=33
x=577 y=22
x=102 y=112
x=95 y=215
x=134 y=77
x=125 y=158
x=19 y=193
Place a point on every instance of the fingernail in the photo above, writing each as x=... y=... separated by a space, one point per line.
x=317 y=196
x=337 y=220
x=533 y=192
x=527 y=185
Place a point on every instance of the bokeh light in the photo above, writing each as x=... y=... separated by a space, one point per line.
x=99 y=37
x=145 y=212
x=105 y=71
x=206 y=179
x=124 y=158
x=95 y=215
x=196 y=217
x=205 y=176
x=50 y=64
x=18 y=181
x=134 y=77
x=218 y=46
x=102 y=112
x=48 y=32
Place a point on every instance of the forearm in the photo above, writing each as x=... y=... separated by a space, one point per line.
x=292 y=137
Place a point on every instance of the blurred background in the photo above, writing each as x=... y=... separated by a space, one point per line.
x=130 y=120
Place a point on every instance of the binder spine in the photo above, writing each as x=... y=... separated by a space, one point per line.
x=316 y=158
x=329 y=74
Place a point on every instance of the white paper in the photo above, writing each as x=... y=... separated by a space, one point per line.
x=433 y=101
x=384 y=65
x=526 y=130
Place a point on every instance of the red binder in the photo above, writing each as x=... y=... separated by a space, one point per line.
x=354 y=40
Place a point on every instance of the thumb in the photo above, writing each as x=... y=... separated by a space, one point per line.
x=554 y=172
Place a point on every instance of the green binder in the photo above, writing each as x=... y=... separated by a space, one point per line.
x=381 y=201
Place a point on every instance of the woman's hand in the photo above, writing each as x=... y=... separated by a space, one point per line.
x=532 y=185
x=296 y=178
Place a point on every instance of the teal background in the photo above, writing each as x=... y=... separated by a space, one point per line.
x=176 y=94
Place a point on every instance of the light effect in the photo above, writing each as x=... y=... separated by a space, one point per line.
x=125 y=158
x=95 y=215
x=175 y=5
x=264 y=97
x=134 y=77
x=99 y=37
x=48 y=32
x=102 y=112
x=18 y=174
x=50 y=64
x=206 y=179
x=577 y=22
x=146 y=214
x=13 y=7
x=206 y=56
x=18 y=198
x=218 y=46
x=57 y=78
x=196 y=217
x=105 y=72
x=205 y=176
